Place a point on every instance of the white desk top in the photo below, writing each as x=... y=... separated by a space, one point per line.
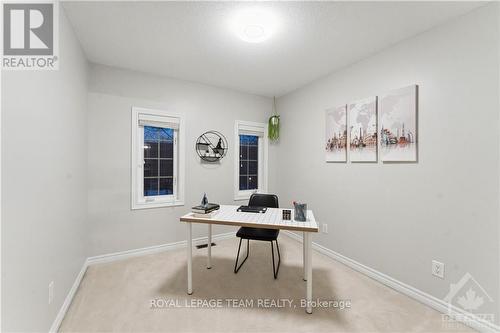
x=271 y=219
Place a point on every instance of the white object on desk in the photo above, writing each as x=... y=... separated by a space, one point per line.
x=271 y=219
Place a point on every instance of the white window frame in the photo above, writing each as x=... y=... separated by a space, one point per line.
x=260 y=130
x=139 y=201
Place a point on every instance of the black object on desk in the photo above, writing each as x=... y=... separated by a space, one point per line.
x=251 y=209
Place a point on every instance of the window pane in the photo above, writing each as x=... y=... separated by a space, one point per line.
x=165 y=134
x=244 y=139
x=150 y=186
x=243 y=152
x=150 y=133
x=158 y=161
x=253 y=153
x=253 y=140
x=166 y=149
x=243 y=183
x=248 y=162
x=150 y=167
x=243 y=168
x=167 y=168
x=252 y=168
x=249 y=140
x=150 y=149
x=252 y=183
x=166 y=186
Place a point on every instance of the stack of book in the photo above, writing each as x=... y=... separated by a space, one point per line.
x=206 y=211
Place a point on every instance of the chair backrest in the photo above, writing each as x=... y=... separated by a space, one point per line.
x=263 y=200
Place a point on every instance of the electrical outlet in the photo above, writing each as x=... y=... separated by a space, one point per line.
x=325 y=228
x=51 y=291
x=438 y=269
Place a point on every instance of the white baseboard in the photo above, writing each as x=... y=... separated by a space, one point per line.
x=69 y=298
x=121 y=256
x=153 y=249
x=467 y=318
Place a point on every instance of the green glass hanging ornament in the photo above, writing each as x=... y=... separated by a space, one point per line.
x=274 y=124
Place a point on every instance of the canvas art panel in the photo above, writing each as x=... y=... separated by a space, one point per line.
x=336 y=134
x=398 y=125
x=363 y=130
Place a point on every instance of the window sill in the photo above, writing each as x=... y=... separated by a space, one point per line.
x=147 y=205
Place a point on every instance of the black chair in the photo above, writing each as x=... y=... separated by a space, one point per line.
x=268 y=235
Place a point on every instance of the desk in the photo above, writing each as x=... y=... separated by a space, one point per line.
x=271 y=219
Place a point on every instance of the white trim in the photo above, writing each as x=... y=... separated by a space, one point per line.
x=498 y=185
x=1 y=131
x=121 y=256
x=260 y=130
x=424 y=298
x=163 y=121
x=152 y=249
x=177 y=199
x=69 y=298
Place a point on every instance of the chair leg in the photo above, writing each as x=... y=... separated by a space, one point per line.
x=279 y=256
x=276 y=270
x=236 y=267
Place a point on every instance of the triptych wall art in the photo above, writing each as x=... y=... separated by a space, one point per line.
x=336 y=134
x=363 y=130
x=382 y=128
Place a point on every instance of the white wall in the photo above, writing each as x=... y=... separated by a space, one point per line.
x=44 y=193
x=396 y=218
x=56 y=137
x=113 y=225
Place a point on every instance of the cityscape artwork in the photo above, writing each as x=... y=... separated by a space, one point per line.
x=398 y=125
x=336 y=134
x=363 y=130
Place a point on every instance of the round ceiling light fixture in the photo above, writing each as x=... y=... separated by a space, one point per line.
x=254 y=25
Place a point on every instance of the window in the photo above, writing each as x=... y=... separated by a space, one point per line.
x=158 y=152
x=249 y=162
x=156 y=159
x=251 y=159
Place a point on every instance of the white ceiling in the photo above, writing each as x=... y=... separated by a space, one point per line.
x=192 y=41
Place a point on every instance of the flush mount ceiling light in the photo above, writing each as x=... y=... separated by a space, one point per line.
x=254 y=25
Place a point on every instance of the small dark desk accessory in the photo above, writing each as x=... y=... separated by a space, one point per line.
x=300 y=211
x=252 y=209
x=287 y=214
x=204 y=200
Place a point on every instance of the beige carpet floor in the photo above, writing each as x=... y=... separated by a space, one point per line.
x=148 y=294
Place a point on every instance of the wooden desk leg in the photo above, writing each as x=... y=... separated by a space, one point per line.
x=309 y=272
x=304 y=259
x=190 y=257
x=209 y=248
